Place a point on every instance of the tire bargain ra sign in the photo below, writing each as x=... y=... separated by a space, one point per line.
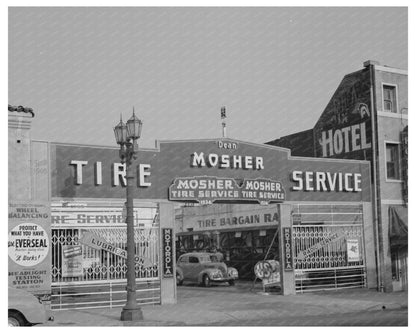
x=167 y=234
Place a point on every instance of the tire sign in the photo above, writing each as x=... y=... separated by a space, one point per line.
x=167 y=234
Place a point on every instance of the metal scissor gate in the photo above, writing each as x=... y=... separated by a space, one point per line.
x=84 y=276
x=328 y=247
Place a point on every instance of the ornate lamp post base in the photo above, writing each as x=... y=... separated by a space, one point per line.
x=131 y=314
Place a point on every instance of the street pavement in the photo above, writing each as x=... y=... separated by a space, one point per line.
x=242 y=305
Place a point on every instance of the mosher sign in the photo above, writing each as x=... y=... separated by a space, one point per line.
x=236 y=171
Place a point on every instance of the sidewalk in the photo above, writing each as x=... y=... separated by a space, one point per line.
x=201 y=307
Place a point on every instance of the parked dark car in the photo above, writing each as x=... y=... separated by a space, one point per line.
x=204 y=268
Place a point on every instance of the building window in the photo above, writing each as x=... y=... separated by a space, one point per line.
x=392 y=161
x=389 y=97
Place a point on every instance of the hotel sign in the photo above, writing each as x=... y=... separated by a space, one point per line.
x=207 y=190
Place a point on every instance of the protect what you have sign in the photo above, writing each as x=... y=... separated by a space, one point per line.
x=29 y=246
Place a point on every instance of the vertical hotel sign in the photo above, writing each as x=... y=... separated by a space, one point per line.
x=287 y=249
x=29 y=246
x=167 y=241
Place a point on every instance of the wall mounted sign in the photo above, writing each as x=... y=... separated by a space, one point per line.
x=29 y=246
x=332 y=238
x=344 y=128
x=207 y=190
x=241 y=171
x=167 y=240
x=71 y=261
x=353 y=250
x=96 y=242
x=287 y=249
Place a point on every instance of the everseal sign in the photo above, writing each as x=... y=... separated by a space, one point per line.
x=167 y=240
x=29 y=246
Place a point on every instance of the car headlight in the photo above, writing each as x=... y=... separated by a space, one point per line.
x=232 y=272
x=216 y=274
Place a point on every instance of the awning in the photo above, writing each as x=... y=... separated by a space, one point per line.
x=398 y=225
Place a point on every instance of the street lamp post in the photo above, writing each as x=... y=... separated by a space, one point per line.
x=127 y=136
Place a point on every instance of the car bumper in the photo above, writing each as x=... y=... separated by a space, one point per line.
x=222 y=279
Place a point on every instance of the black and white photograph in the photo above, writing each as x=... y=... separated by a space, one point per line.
x=208 y=165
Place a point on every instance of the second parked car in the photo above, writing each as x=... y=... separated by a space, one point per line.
x=204 y=268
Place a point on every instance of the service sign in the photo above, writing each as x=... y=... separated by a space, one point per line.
x=167 y=240
x=29 y=246
x=205 y=171
x=207 y=190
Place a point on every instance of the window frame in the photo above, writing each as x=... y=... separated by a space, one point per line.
x=194 y=257
x=396 y=90
x=393 y=180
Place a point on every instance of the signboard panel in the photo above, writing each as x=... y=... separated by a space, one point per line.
x=98 y=243
x=29 y=246
x=353 y=250
x=252 y=170
x=287 y=249
x=239 y=216
x=207 y=190
x=167 y=241
x=344 y=128
x=71 y=261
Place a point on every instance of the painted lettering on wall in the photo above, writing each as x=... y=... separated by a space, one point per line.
x=227 y=161
x=118 y=175
x=326 y=181
x=344 y=140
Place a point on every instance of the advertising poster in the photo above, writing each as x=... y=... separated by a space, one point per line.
x=268 y=271
x=71 y=261
x=29 y=246
x=353 y=250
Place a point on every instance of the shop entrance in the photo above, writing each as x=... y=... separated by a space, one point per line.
x=89 y=274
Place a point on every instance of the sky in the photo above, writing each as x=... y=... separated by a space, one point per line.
x=274 y=69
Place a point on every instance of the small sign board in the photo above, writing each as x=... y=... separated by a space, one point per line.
x=287 y=249
x=353 y=250
x=29 y=246
x=210 y=189
x=71 y=261
x=167 y=241
x=96 y=242
x=268 y=271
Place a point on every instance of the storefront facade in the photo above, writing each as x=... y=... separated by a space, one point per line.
x=318 y=209
x=367 y=119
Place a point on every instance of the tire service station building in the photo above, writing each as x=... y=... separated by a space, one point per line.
x=236 y=195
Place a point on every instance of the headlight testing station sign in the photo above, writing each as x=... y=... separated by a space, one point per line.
x=29 y=246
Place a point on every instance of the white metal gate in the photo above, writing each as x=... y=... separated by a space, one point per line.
x=329 y=250
x=97 y=278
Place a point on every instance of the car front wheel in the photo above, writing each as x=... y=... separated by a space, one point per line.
x=16 y=319
x=231 y=282
x=206 y=281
